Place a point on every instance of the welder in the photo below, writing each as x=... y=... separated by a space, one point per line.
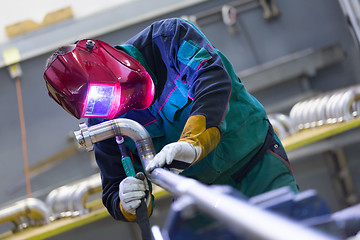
x=172 y=80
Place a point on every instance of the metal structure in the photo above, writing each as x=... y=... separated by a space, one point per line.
x=240 y=216
x=337 y=106
x=298 y=66
x=25 y=213
x=65 y=201
x=283 y=125
x=70 y=200
x=351 y=9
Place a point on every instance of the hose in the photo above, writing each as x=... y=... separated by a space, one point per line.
x=141 y=212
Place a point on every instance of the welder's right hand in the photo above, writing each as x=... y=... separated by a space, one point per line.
x=184 y=152
x=131 y=191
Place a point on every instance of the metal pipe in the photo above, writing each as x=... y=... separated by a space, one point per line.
x=156 y=233
x=238 y=214
x=345 y=105
x=24 y=213
x=70 y=200
x=87 y=136
x=242 y=217
x=283 y=125
x=321 y=110
x=306 y=111
x=333 y=106
x=278 y=127
x=295 y=115
x=50 y=201
x=59 y=206
x=356 y=107
x=312 y=114
x=83 y=191
x=337 y=106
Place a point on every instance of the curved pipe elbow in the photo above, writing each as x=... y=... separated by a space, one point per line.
x=38 y=210
x=83 y=191
x=70 y=200
x=87 y=136
x=32 y=209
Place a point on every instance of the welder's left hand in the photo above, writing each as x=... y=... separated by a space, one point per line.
x=185 y=154
x=131 y=191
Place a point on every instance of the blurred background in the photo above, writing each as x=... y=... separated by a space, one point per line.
x=286 y=52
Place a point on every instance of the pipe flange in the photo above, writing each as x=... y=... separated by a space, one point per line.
x=83 y=137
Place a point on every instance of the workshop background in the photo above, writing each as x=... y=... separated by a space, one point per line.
x=285 y=51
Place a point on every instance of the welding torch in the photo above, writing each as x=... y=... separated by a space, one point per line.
x=141 y=212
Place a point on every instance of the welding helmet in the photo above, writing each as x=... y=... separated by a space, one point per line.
x=92 y=79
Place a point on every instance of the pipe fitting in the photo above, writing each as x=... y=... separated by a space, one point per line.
x=70 y=200
x=87 y=136
x=83 y=191
x=25 y=213
x=337 y=106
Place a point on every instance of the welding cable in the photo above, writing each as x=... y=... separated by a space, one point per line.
x=141 y=212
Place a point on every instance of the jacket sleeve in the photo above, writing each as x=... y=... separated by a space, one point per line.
x=210 y=87
x=181 y=46
x=108 y=158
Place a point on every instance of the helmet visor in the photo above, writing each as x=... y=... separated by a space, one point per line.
x=99 y=100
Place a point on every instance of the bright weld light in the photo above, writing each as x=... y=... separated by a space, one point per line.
x=99 y=100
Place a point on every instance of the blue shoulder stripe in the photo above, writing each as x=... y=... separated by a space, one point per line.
x=192 y=55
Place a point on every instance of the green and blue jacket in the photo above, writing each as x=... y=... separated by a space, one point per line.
x=198 y=99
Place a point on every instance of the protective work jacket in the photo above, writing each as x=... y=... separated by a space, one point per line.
x=198 y=99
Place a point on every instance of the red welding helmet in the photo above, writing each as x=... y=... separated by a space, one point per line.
x=92 y=79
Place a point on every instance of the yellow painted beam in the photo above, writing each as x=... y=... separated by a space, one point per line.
x=98 y=211
x=58 y=226
x=308 y=136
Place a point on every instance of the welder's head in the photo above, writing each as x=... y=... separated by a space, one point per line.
x=92 y=79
